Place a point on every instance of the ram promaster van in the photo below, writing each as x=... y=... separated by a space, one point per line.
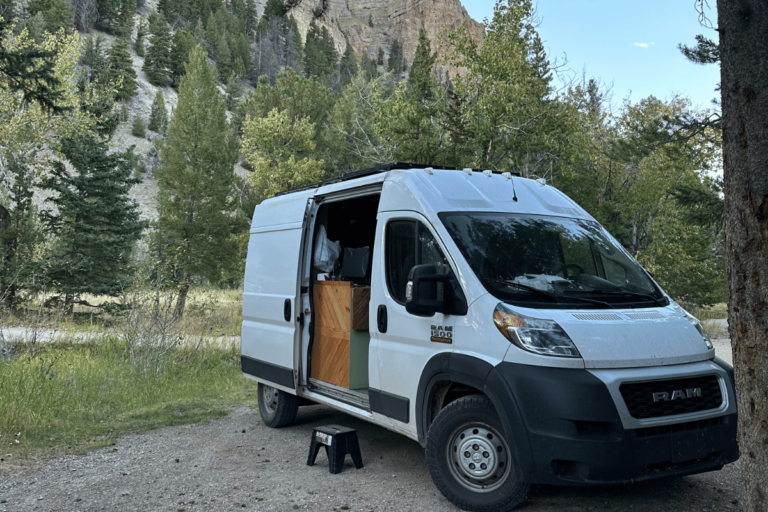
x=489 y=318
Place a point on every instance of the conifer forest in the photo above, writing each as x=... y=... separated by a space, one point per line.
x=245 y=105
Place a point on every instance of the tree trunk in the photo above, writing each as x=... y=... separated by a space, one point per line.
x=181 y=301
x=743 y=26
x=69 y=304
x=10 y=297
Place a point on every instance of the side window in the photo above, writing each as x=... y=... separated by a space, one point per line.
x=409 y=243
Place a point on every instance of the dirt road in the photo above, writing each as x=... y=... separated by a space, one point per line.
x=236 y=463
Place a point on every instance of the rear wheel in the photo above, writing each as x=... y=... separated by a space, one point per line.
x=277 y=408
x=470 y=460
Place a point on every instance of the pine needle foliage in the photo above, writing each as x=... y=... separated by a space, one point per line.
x=122 y=75
x=158 y=117
x=138 y=46
x=158 y=60
x=139 y=129
x=196 y=181
x=95 y=222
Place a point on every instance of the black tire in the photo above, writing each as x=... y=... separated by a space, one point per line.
x=470 y=460
x=277 y=408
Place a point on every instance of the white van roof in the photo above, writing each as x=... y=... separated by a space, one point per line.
x=438 y=191
x=429 y=191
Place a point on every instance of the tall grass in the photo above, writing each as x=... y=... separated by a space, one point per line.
x=69 y=397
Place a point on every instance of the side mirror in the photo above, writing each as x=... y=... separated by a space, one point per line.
x=421 y=293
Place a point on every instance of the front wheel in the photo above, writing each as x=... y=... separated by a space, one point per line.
x=277 y=408
x=470 y=460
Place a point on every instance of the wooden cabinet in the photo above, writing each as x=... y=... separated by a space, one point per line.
x=341 y=337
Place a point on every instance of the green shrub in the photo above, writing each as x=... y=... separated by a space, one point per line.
x=139 y=129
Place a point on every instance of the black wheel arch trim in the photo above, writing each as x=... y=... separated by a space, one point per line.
x=268 y=372
x=481 y=375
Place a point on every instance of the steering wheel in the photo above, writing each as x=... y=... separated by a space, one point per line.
x=566 y=267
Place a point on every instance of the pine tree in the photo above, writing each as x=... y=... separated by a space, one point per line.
x=314 y=60
x=138 y=129
x=95 y=223
x=196 y=181
x=158 y=117
x=328 y=46
x=380 y=57
x=223 y=56
x=30 y=70
x=183 y=42
x=274 y=8
x=294 y=48
x=121 y=73
x=56 y=13
x=138 y=46
x=420 y=78
x=20 y=233
x=7 y=12
x=320 y=56
x=157 y=62
x=241 y=51
x=368 y=66
x=251 y=17
x=348 y=65
x=93 y=57
x=234 y=91
x=395 y=62
x=116 y=16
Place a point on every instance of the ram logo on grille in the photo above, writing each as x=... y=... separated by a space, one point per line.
x=678 y=394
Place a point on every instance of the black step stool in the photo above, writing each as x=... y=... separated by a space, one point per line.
x=338 y=441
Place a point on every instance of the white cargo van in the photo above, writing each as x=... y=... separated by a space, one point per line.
x=489 y=318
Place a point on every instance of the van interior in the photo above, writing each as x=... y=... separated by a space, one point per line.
x=340 y=292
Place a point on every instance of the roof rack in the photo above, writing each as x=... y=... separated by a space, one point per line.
x=376 y=170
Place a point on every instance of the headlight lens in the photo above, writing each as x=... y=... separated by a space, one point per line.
x=700 y=328
x=535 y=335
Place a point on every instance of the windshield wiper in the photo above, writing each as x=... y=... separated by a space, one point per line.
x=622 y=292
x=542 y=292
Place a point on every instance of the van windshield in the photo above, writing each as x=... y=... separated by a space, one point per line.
x=550 y=261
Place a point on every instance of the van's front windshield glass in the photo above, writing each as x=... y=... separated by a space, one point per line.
x=550 y=261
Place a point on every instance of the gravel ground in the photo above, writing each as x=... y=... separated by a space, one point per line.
x=237 y=463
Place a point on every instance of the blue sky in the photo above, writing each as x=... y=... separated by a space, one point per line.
x=630 y=44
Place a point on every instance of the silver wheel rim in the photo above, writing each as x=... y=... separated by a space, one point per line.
x=269 y=399
x=478 y=457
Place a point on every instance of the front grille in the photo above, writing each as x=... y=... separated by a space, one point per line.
x=639 y=396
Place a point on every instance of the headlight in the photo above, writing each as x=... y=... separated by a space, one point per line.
x=700 y=328
x=694 y=321
x=535 y=335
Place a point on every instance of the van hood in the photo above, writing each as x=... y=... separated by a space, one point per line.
x=632 y=338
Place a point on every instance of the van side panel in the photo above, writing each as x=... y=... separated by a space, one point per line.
x=270 y=316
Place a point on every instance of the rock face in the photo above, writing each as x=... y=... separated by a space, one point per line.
x=372 y=24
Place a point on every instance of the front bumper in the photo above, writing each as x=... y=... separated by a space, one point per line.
x=569 y=428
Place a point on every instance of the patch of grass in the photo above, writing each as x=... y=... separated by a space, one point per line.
x=715 y=312
x=210 y=311
x=72 y=397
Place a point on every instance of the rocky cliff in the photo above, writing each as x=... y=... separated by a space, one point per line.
x=372 y=24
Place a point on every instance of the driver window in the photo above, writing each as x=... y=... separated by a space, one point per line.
x=409 y=243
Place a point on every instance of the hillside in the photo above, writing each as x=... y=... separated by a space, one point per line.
x=348 y=21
